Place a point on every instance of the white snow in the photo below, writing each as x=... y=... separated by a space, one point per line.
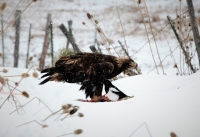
x=161 y=104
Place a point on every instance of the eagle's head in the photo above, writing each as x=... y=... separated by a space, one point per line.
x=126 y=63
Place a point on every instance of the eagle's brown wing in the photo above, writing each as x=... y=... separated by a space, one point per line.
x=67 y=69
x=99 y=71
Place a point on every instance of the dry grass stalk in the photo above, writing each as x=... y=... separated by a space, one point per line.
x=64 y=108
x=86 y=25
x=122 y=28
x=12 y=13
x=101 y=34
x=148 y=38
x=164 y=58
x=21 y=106
x=172 y=56
x=76 y=132
x=72 y=111
x=154 y=37
x=43 y=126
x=148 y=41
x=13 y=97
x=16 y=17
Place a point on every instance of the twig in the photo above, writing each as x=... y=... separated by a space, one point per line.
x=13 y=89
x=123 y=48
x=163 y=59
x=181 y=45
x=140 y=127
x=29 y=102
x=43 y=126
x=12 y=12
x=122 y=29
x=169 y=48
x=12 y=96
x=153 y=37
x=16 y=17
x=148 y=38
x=52 y=114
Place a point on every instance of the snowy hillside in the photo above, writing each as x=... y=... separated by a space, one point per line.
x=105 y=12
x=161 y=105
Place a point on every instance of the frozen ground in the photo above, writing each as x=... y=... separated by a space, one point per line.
x=161 y=104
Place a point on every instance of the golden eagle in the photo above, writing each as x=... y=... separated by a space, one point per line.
x=89 y=69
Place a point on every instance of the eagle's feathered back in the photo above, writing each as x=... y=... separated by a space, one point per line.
x=90 y=69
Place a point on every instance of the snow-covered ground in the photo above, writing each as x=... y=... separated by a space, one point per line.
x=161 y=105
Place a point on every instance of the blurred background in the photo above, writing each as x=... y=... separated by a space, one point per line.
x=138 y=29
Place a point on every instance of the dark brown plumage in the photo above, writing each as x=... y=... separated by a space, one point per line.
x=89 y=69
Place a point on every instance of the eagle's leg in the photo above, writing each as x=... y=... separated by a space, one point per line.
x=97 y=93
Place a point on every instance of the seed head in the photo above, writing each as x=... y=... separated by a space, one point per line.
x=172 y=134
x=83 y=23
x=16 y=84
x=175 y=66
x=96 y=21
x=2 y=80
x=3 y=6
x=74 y=110
x=5 y=70
x=139 y=1
x=30 y=59
x=65 y=108
x=1 y=55
x=99 y=30
x=78 y=131
x=80 y=115
x=35 y=74
x=25 y=94
x=25 y=75
x=89 y=16
x=34 y=0
x=44 y=126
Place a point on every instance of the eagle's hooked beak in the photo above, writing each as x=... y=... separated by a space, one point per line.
x=133 y=65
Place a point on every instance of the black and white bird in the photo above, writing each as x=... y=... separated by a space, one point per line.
x=112 y=92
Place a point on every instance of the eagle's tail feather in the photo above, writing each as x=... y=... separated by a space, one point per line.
x=45 y=81
x=48 y=74
x=53 y=69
